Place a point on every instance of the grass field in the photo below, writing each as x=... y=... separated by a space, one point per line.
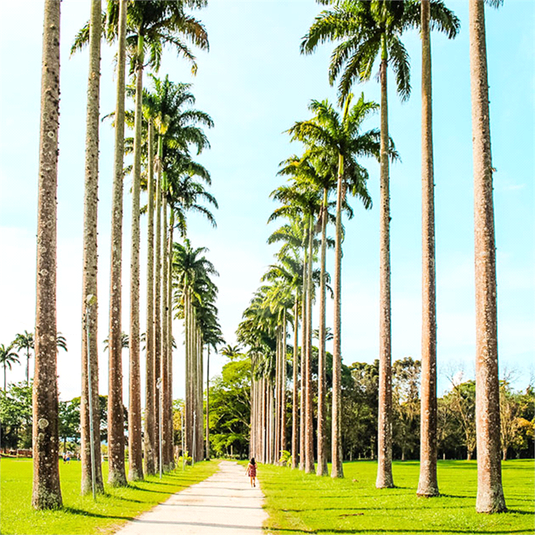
x=301 y=504
x=82 y=515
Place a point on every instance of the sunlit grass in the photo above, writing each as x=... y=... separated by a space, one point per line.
x=81 y=515
x=301 y=504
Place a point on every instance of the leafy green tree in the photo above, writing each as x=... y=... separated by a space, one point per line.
x=231 y=408
x=16 y=416
x=7 y=359
x=69 y=422
x=25 y=341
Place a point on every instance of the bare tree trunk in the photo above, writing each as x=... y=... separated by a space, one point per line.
x=309 y=414
x=321 y=469
x=149 y=386
x=171 y=456
x=295 y=398
x=116 y=474
x=336 y=441
x=46 y=487
x=188 y=410
x=164 y=368
x=304 y=324
x=490 y=498
x=158 y=301
x=135 y=457
x=384 y=439
x=90 y=269
x=208 y=404
x=428 y=484
x=283 y=387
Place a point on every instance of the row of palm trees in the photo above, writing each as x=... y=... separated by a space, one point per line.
x=167 y=131
x=366 y=33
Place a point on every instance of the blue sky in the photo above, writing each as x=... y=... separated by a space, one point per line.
x=255 y=85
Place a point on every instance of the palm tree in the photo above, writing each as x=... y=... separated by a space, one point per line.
x=90 y=267
x=339 y=138
x=490 y=498
x=116 y=474
x=428 y=484
x=46 y=487
x=153 y=24
x=25 y=341
x=366 y=30
x=7 y=358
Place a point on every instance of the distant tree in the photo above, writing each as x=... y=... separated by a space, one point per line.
x=230 y=408
x=69 y=421
x=7 y=358
x=16 y=416
x=24 y=341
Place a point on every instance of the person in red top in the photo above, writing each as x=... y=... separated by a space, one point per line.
x=251 y=472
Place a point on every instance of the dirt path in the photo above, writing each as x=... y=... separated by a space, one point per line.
x=223 y=504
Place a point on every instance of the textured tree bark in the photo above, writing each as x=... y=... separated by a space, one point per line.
x=309 y=423
x=490 y=498
x=90 y=267
x=295 y=397
x=116 y=474
x=171 y=455
x=149 y=441
x=336 y=441
x=283 y=387
x=277 y=390
x=321 y=469
x=188 y=410
x=207 y=453
x=302 y=407
x=135 y=457
x=46 y=487
x=384 y=438
x=158 y=300
x=428 y=484
x=164 y=368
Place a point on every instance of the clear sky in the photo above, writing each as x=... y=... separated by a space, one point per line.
x=255 y=85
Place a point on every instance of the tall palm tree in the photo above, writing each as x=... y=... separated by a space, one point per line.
x=116 y=473
x=365 y=31
x=339 y=138
x=46 y=486
x=490 y=498
x=428 y=484
x=25 y=341
x=153 y=24
x=91 y=450
x=7 y=359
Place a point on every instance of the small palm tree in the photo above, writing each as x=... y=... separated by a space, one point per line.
x=24 y=341
x=7 y=359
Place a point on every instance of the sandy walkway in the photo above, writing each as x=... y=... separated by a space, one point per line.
x=223 y=504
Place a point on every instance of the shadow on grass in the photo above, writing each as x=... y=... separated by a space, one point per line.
x=81 y=512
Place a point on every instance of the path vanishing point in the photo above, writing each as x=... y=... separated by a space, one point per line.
x=222 y=504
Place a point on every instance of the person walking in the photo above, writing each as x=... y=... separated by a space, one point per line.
x=251 y=472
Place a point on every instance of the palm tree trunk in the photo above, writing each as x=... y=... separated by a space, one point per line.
x=170 y=434
x=149 y=384
x=116 y=474
x=164 y=369
x=384 y=439
x=189 y=373
x=337 y=469
x=322 y=453
x=46 y=487
x=304 y=310
x=295 y=398
x=135 y=458
x=428 y=484
x=283 y=387
x=490 y=498
x=208 y=405
x=158 y=300
x=90 y=267
x=309 y=422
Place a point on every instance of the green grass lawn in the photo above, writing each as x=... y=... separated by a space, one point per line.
x=81 y=515
x=299 y=503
